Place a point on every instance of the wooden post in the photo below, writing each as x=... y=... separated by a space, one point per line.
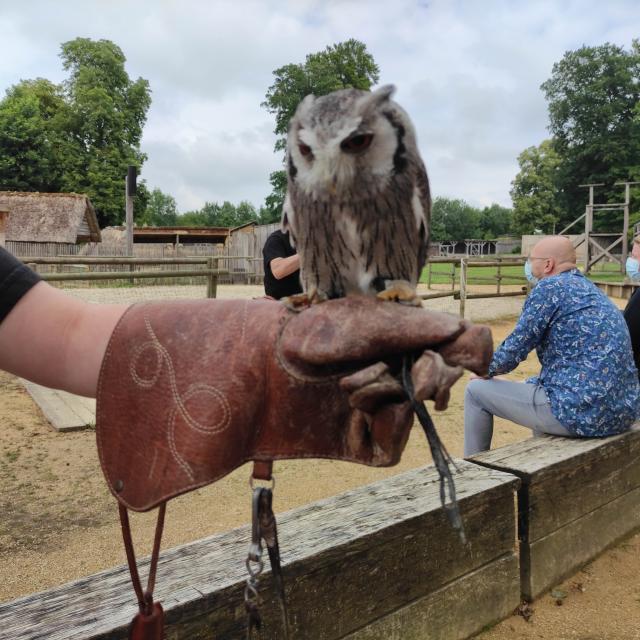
x=499 y=275
x=625 y=228
x=212 y=278
x=428 y=275
x=4 y=218
x=463 y=285
x=453 y=276
x=129 y=191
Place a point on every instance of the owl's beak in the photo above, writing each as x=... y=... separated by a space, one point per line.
x=332 y=186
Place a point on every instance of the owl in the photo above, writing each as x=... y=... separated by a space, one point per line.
x=358 y=205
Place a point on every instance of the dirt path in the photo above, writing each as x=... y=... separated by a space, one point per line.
x=60 y=523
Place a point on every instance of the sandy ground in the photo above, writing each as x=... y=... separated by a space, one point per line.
x=60 y=523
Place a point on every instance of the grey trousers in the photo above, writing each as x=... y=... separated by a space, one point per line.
x=522 y=403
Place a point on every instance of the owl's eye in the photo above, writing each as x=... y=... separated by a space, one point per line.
x=305 y=150
x=357 y=143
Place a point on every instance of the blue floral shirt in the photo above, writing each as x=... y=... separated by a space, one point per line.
x=583 y=345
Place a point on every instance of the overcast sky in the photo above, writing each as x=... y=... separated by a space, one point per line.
x=467 y=71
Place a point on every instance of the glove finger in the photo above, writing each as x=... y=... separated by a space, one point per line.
x=432 y=379
x=371 y=387
x=472 y=349
x=359 y=328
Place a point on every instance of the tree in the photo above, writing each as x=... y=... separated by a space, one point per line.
x=79 y=136
x=495 y=221
x=340 y=66
x=593 y=94
x=226 y=214
x=107 y=114
x=30 y=136
x=161 y=211
x=454 y=219
x=534 y=191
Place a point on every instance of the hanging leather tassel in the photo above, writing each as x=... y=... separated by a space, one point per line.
x=148 y=627
x=148 y=624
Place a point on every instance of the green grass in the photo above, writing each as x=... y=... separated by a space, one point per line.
x=441 y=274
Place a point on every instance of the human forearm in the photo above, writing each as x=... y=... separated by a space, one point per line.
x=283 y=267
x=56 y=340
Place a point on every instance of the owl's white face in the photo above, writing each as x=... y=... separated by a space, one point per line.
x=341 y=150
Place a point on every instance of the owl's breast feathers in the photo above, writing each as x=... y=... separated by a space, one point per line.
x=348 y=247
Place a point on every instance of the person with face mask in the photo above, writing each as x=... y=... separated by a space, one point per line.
x=588 y=385
x=632 y=310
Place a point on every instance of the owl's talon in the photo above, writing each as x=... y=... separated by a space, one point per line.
x=296 y=302
x=400 y=291
x=300 y=301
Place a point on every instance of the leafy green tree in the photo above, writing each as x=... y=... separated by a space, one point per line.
x=593 y=94
x=226 y=214
x=192 y=219
x=340 y=66
x=495 y=221
x=79 y=136
x=30 y=136
x=272 y=209
x=534 y=191
x=454 y=219
x=107 y=114
x=161 y=211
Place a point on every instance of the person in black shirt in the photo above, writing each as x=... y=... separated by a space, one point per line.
x=281 y=266
x=632 y=310
x=632 y=318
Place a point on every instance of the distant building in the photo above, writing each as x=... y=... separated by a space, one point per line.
x=47 y=223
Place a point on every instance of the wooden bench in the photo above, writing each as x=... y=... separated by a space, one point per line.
x=380 y=561
x=577 y=497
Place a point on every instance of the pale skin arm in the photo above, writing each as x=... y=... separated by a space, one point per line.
x=283 y=267
x=56 y=340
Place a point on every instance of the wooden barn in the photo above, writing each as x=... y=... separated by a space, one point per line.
x=47 y=224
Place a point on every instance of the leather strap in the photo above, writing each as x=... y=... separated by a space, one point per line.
x=262 y=469
x=148 y=624
x=439 y=453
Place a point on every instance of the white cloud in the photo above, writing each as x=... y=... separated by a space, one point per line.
x=467 y=72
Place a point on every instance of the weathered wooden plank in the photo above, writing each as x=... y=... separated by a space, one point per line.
x=549 y=560
x=562 y=479
x=577 y=497
x=65 y=411
x=347 y=560
x=456 y=611
x=539 y=456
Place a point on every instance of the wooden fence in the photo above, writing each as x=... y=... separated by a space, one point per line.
x=382 y=561
x=100 y=269
x=239 y=266
x=462 y=277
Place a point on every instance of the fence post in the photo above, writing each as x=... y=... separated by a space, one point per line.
x=499 y=275
x=212 y=278
x=453 y=275
x=463 y=285
x=428 y=275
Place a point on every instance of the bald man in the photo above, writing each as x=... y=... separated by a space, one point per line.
x=588 y=385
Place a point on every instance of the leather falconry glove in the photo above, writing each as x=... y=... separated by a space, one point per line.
x=191 y=390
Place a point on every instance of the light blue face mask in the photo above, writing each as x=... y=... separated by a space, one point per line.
x=527 y=272
x=633 y=268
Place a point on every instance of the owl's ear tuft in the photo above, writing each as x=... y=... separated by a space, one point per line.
x=383 y=93
x=372 y=101
x=305 y=104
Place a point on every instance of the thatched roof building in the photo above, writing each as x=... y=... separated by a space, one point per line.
x=62 y=218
